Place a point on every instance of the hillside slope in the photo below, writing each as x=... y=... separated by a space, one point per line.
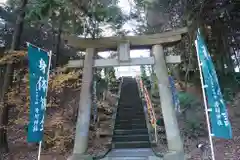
x=63 y=98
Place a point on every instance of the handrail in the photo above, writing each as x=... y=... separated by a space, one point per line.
x=151 y=112
x=150 y=108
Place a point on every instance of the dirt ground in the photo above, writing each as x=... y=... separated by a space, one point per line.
x=224 y=149
x=59 y=127
x=61 y=123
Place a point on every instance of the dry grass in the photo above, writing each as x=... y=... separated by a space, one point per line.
x=12 y=57
x=59 y=129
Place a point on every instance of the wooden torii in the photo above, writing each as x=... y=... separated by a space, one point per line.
x=123 y=45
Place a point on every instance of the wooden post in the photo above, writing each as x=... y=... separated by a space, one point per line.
x=84 y=110
x=173 y=134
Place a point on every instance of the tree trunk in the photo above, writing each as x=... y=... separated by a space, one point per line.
x=230 y=65
x=106 y=81
x=58 y=42
x=19 y=27
x=8 y=76
x=2 y=72
x=176 y=72
x=4 y=109
x=220 y=51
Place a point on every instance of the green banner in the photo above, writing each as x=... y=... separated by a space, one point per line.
x=38 y=76
x=220 y=124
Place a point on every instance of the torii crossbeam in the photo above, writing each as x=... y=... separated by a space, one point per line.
x=123 y=45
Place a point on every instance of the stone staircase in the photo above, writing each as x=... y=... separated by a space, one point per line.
x=130 y=138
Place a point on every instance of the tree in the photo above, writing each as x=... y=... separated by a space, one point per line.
x=143 y=73
x=9 y=75
x=42 y=22
x=61 y=18
x=110 y=79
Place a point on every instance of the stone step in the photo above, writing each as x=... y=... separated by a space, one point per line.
x=138 y=152
x=126 y=138
x=130 y=122
x=131 y=111
x=126 y=158
x=130 y=105
x=130 y=131
x=129 y=126
x=130 y=118
x=132 y=144
x=122 y=116
x=130 y=115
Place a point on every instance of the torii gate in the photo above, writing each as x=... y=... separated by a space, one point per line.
x=123 y=45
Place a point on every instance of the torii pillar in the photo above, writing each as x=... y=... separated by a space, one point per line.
x=84 y=110
x=175 y=145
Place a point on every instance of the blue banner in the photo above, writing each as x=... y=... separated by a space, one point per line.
x=174 y=94
x=38 y=77
x=94 y=99
x=220 y=124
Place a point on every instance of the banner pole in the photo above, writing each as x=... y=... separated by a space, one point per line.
x=49 y=63
x=205 y=104
x=39 y=150
x=50 y=59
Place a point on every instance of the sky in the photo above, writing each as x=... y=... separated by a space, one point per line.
x=130 y=70
x=2 y=1
x=126 y=70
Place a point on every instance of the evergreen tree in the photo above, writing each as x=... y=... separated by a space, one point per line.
x=143 y=74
